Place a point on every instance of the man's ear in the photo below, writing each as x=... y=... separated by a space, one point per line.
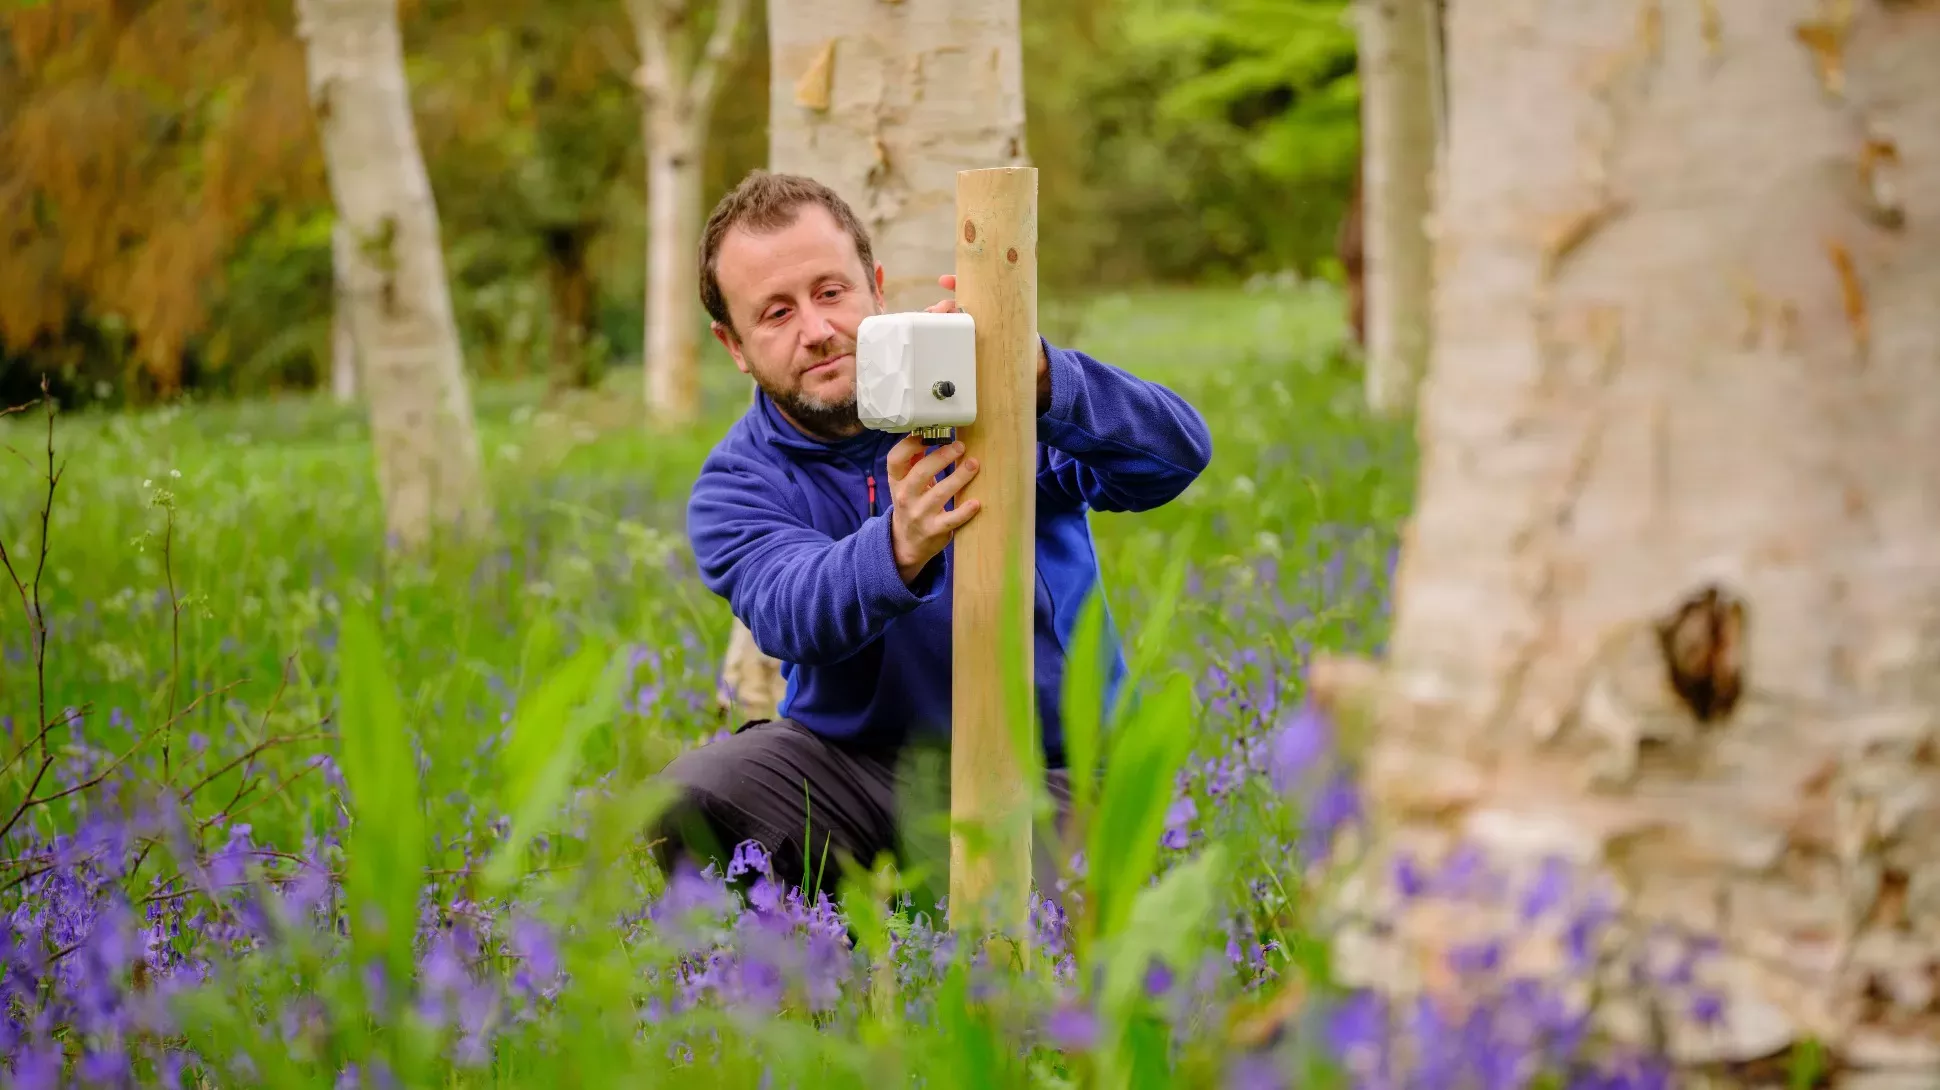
x=878 y=284
x=730 y=342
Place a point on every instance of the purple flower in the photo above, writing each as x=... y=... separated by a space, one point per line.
x=1337 y=806
x=1476 y=958
x=1255 y=1071
x=1158 y=979
x=1408 y=879
x=1549 y=888
x=1298 y=746
x=749 y=858
x=1707 y=1008
x=37 y=1067
x=1072 y=1028
x=1178 y=821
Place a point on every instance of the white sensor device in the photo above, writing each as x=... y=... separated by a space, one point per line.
x=916 y=371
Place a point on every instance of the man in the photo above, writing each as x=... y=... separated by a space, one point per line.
x=831 y=542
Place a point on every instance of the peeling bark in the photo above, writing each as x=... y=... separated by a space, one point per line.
x=428 y=464
x=1679 y=348
x=679 y=87
x=884 y=104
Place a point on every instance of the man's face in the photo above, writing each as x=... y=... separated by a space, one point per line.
x=796 y=297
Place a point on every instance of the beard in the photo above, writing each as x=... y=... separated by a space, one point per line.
x=821 y=418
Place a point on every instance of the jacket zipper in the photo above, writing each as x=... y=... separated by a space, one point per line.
x=872 y=494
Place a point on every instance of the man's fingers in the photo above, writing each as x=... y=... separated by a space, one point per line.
x=951 y=485
x=934 y=463
x=962 y=513
x=948 y=281
x=902 y=455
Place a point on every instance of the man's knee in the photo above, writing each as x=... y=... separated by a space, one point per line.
x=761 y=784
x=704 y=821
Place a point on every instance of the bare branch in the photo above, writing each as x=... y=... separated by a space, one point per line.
x=249 y=754
x=30 y=801
x=653 y=23
x=30 y=602
x=65 y=716
x=244 y=785
x=729 y=17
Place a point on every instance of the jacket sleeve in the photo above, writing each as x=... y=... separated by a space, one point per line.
x=1114 y=441
x=807 y=598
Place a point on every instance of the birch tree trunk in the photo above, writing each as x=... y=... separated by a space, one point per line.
x=1398 y=117
x=679 y=91
x=428 y=465
x=343 y=338
x=884 y=103
x=1669 y=603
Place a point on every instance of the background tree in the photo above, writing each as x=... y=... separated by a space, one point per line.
x=1668 y=607
x=343 y=337
x=428 y=463
x=1397 y=47
x=530 y=111
x=680 y=73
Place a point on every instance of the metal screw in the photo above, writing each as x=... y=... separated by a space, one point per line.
x=944 y=390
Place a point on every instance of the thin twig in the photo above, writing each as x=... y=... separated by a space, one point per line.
x=245 y=784
x=26 y=877
x=50 y=725
x=281 y=787
x=36 y=619
x=251 y=752
x=30 y=801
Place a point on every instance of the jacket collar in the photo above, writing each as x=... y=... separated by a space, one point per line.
x=782 y=432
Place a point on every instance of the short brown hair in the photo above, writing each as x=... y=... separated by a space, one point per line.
x=764 y=202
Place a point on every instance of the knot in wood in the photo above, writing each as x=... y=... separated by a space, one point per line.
x=969 y=231
x=1703 y=643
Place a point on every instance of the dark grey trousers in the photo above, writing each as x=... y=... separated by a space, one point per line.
x=812 y=802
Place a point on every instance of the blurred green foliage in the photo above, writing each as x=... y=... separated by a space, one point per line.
x=1179 y=141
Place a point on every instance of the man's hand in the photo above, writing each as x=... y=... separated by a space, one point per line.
x=949 y=283
x=919 y=526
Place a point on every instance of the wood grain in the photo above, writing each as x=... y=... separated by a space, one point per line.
x=990 y=791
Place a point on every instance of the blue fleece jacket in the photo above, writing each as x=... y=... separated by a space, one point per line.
x=794 y=533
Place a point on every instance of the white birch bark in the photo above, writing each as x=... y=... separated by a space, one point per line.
x=428 y=464
x=884 y=103
x=1687 y=337
x=679 y=90
x=1398 y=120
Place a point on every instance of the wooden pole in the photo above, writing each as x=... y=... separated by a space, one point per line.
x=990 y=789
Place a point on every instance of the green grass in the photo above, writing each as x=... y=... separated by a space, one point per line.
x=277 y=522
x=264 y=516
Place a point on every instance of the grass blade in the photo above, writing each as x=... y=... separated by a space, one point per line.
x=386 y=846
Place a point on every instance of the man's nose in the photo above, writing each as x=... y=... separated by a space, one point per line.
x=816 y=327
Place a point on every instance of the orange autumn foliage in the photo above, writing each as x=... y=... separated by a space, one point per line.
x=139 y=139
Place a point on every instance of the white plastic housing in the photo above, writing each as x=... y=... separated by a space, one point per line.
x=915 y=370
